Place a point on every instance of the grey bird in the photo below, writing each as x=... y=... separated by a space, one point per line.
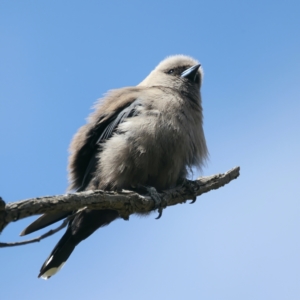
x=150 y=135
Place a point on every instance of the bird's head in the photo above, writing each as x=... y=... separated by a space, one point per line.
x=179 y=72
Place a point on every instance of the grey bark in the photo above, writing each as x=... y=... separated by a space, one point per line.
x=125 y=202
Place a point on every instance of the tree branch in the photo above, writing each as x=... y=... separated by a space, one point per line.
x=125 y=202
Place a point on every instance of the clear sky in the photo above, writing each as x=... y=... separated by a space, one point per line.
x=238 y=242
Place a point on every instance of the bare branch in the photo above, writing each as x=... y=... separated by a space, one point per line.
x=125 y=202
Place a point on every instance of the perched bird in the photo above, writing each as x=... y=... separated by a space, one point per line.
x=147 y=135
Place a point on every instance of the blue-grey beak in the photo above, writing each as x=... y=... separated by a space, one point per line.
x=191 y=72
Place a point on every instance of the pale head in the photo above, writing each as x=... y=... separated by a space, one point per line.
x=170 y=73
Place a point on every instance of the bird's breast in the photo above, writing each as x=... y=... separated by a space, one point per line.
x=149 y=149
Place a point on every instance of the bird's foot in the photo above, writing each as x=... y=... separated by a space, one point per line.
x=159 y=205
x=187 y=181
x=152 y=192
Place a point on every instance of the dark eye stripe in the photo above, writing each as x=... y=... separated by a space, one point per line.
x=177 y=70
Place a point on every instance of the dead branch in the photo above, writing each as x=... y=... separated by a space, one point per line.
x=125 y=202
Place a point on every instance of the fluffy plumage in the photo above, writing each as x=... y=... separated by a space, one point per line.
x=148 y=135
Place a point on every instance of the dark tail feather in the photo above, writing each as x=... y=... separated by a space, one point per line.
x=43 y=221
x=79 y=229
x=58 y=256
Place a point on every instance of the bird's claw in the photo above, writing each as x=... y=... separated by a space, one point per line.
x=194 y=200
x=160 y=211
x=157 y=199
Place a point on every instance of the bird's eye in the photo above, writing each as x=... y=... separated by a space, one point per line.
x=171 y=71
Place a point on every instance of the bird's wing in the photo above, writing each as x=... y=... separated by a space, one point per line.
x=44 y=221
x=101 y=132
x=104 y=132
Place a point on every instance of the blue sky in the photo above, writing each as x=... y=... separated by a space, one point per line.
x=238 y=242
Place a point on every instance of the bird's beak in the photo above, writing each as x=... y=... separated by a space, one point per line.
x=191 y=72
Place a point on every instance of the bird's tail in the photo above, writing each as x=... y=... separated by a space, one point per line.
x=58 y=256
x=83 y=225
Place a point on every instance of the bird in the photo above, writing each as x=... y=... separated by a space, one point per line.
x=149 y=135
